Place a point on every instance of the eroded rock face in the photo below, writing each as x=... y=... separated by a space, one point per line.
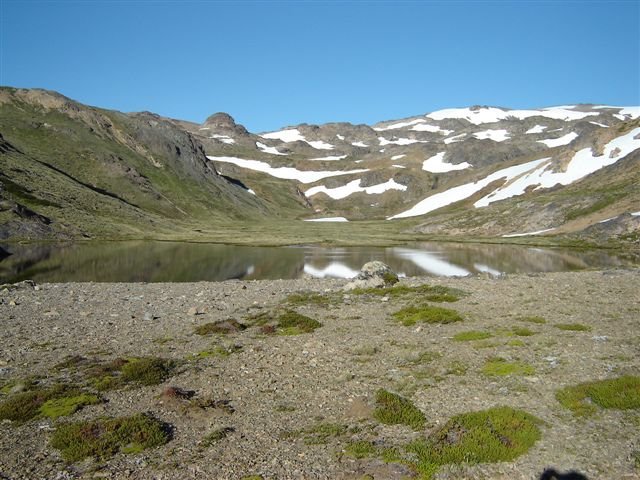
x=374 y=274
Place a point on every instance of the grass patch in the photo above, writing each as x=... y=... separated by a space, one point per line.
x=321 y=433
x=523 y=332
x=424 y=358
x=426 y=314
x=393 y=409
x=294 y=323
x=499 y=434
x=471 y=335
x=574 y=327
x=533 y=319
x=500 y=367
x=63 y=406
x=120 y=372
x=620 y=393
x=516 y=343
x=361 y=449
x=53 y=402
x=103 y=438
x=221 y=328
x=436 y=293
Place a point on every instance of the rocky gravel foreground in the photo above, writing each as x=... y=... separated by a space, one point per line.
x=289 y=406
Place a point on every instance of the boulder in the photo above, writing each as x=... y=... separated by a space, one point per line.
x=374 y=274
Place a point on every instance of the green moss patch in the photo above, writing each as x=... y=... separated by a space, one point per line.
x=221 y=328
x=321 y=433
x=393 y=409
x=499 y=434
x=63 y=406
x=500 y=367
x=435 y=293
x=533 y=319
x=361 y=449
x=621 y=393
x=120 y=372
x=53 y=402
x=471 y=335
x=574 y=327
x=294 y=323
x=523 y=332
x=104 y=438
x=426 y=314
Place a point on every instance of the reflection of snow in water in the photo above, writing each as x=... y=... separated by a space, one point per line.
x=334 y=269
x=250 y=270
x=486 y=269
x=430 y=263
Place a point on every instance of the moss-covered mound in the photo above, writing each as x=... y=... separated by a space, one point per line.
x=103 y=438
x=621 y=393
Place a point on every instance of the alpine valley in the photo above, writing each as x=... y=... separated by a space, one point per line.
x=565 y=174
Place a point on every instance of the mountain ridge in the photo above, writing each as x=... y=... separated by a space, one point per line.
x=180 y=175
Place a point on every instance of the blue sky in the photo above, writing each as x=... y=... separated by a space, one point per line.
x=271 y=64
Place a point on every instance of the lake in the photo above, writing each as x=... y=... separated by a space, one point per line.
x=146 y=261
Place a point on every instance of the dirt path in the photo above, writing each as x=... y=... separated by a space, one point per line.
x=298 y=401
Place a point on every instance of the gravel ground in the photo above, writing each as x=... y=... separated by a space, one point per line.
x=281 y=385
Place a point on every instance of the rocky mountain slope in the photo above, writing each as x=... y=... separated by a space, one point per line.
x=486 y=171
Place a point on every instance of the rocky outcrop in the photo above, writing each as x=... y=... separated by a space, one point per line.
x=374 y=274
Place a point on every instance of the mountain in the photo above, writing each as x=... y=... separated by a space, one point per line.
x=69 y=170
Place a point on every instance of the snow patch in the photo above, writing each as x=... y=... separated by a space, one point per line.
x=223 y=138
x=360 y=144
x=294 y=135
x=354 y=187
x=556 y=142
x=398 y=157
x=327 y=219
x=599 y=124
x=495 y=135
x=399 y=166
x=457 y=138
x=425 y=127
x=635 y=214
x=436 y=164
x=486 y=269
x=251 y=191
x=329 y=158
x=536 y=129
x=267 y=149
x=340 y=137
x=287 y=173
x=289 y=135
x=538 y=232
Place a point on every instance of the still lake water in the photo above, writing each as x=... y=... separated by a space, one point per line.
x=191 y=262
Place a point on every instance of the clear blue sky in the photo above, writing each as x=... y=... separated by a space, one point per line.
x=271 y=64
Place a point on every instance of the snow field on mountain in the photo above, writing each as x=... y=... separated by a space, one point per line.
x=350 y=188
x=492 y=114
x=360 y=144
x=536 y=129
x=327 y=219
x=557 y=142
x=294 y=135
x=583 y=163
x=461 y=192
x=329 y=158
x=287 y=173
x=436 y=164
x=495 y=135
x=267 y=149
x=223 y=138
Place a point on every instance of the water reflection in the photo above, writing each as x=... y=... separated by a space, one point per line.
x=182 y=262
